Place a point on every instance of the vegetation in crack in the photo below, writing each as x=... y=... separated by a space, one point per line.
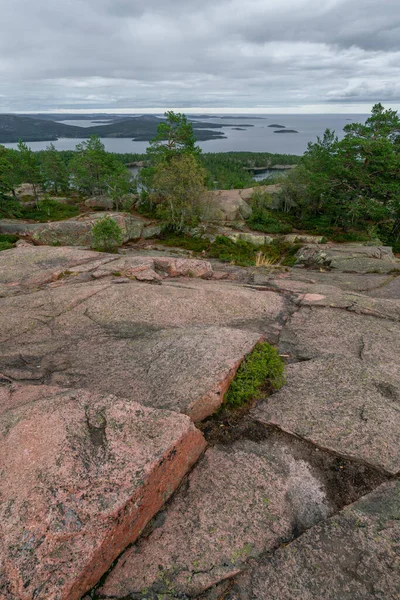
x=263 y=365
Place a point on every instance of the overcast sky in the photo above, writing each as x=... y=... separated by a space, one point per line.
x=258 y=55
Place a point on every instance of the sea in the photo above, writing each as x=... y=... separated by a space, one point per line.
x=258 y=138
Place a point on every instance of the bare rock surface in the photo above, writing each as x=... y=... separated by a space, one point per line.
x=312 y=333
x=351 y=258
x=99 y=355
x=238 y=502
x=351 y=556
x=341 y=404
x=82 y=474
x=174 y=346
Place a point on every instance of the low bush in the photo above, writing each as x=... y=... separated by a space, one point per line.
x=107 y=235
x=261 y=368
x=7 y=241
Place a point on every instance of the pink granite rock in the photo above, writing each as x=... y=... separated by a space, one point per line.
x=342 y=404
x=239 y=502
x=351 y=556
x=184 y=267
x=82 y=474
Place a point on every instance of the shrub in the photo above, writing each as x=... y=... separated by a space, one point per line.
x=7 y=241
x=263 y=366
x=107 y=235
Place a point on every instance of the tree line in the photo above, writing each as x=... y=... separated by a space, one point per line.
x=352 y=184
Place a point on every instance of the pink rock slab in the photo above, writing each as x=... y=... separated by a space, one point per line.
x=82 y=474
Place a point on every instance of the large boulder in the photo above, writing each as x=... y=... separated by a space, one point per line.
x=350 y=258
x=78 y=231
x=82 y=474
x=101 y=202
x=226 y=206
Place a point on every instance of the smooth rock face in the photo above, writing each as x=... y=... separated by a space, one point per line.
x=351 y=556
x=226 y=206
x=322 y=332
x=238 y=502
x=82 y=474
x=36 y=265
x=349 y=258
x=341 y=404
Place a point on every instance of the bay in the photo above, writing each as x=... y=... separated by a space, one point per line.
x=258 y=138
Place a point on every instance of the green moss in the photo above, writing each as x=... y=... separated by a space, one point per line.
x=262 y=366
x=7 y=241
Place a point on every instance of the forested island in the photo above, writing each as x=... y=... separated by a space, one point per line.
x=42 y=128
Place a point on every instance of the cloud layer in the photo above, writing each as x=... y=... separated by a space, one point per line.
x=113 y=54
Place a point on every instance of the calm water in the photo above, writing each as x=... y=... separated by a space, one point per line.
x=259 y=138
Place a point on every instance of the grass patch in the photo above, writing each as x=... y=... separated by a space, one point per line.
x=186 y=242
x=244 y=254
x=54 y=211
x=7 y=241
x=263 y=366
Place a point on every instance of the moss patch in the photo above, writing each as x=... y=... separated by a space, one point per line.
x=261 y=367
x=7 y=241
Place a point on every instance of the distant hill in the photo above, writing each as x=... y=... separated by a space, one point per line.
x=30 y=129
x=35 y=128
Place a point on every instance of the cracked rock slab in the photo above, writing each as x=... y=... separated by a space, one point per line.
x=341 y=404
x=37 y=265
x=351 y=258
x=351 y=556
x=82 y=474
x=314 y=332
x=237 y=503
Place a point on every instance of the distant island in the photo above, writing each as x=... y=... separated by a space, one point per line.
x=277 y=126
x=286 y=131
x=43 y=128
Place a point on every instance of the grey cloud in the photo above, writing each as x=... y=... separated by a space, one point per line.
x=130 y=54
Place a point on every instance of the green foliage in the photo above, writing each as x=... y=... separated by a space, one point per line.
x=97 y=172
x=231 y=170
x=48 y=209
x=27 y=166
x=174 y=136
x=173 y=239
x=262 y=367
x=263 y=218
x=107 y=235
x=239 y=253
x=178 y=187
x=54 y=170
x=7 y=241
x=9 y=206
x=355 y=182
